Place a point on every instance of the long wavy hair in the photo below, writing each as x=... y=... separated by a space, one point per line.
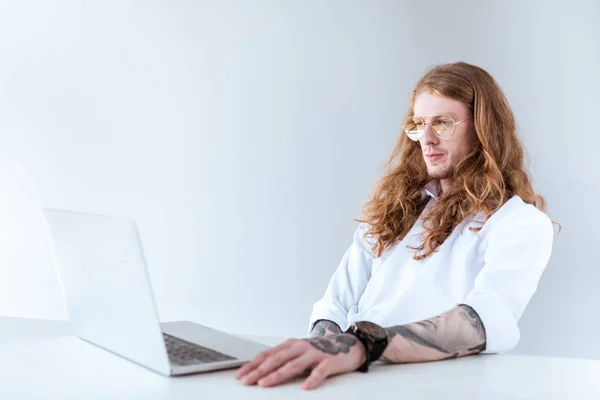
x=483 y=181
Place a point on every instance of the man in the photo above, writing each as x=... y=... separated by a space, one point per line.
x=449 y=251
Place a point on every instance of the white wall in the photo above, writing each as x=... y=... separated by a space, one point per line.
x=244 y=135
x=563 y=138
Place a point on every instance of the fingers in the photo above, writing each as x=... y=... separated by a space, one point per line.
x=291 y=369
x=246 y=368
x=317 y=376
x=271 y=363
x=290 y=359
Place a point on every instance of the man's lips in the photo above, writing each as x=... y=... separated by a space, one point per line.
x=433 y=156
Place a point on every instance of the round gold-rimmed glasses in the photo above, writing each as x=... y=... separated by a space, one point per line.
x=443 y=125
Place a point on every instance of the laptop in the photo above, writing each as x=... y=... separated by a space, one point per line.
x=102 y=271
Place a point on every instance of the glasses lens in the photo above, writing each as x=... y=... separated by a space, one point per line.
x=414 y=127
x=443 y=125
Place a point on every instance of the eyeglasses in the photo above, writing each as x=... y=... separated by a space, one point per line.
x=443 y=125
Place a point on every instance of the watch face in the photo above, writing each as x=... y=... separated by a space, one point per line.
x=372 y=329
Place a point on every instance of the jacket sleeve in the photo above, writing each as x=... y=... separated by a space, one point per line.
x=517 y=253
x=347 y=283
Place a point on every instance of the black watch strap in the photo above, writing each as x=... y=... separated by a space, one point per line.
x=374 y=346
x=365 y=366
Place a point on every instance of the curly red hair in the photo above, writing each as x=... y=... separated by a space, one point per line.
x=483 y=181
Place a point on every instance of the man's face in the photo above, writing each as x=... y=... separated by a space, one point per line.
x=442 y=155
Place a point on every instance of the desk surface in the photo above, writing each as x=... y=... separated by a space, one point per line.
x=37 y=360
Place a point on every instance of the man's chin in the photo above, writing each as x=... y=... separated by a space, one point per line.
x=437 y=174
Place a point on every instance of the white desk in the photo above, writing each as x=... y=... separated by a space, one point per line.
x=64 y=367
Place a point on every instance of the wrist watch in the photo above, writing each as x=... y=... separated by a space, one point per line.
x=373 y=337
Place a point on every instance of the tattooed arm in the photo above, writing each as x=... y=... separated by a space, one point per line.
x=456 y=333
x=324 y=327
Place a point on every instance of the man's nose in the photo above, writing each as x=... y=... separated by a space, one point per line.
x=429 y=137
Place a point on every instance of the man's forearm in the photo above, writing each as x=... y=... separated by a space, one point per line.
x=456 y=333
x=324 y=327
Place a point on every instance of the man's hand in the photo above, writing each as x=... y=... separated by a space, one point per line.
x=321 y=356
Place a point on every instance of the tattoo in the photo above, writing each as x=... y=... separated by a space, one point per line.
x=323 y=326
x=334 y=344
x=317 y=331
x=472 y=316
x=456 y=333
x=406 y=331
x=478 y=349
x=452 y=357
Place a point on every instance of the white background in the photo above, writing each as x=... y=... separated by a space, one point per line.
x=245 y=135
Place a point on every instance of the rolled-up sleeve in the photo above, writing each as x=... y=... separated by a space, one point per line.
x=347 y=283
x=518 y=250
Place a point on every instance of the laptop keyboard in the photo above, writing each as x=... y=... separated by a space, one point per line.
x=182 y=352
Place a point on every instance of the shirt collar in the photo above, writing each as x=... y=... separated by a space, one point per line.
x=432 y=189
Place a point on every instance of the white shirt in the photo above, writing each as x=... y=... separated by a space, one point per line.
x=495 y=271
